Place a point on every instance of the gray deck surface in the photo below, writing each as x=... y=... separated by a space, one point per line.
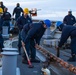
x=24 y=70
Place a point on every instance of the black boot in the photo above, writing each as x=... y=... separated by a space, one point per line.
x=24 y=61
x=35 y=60
x=72 y=59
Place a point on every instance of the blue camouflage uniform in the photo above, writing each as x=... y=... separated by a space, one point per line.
x=1 y=38
x=69 y=20
x=1 y=22
x=21 y=21
x=1 y=42
x=6 y=19
x=17 y=11
x=31 y=35
x=67 y=31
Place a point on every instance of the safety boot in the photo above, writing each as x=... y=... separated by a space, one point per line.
x=72 y=59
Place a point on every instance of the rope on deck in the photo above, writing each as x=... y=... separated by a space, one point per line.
x=64 y=64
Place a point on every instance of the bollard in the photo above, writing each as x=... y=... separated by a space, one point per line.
x=17 y=71
x=9 y=63
x=10 y=49
x=47 y=34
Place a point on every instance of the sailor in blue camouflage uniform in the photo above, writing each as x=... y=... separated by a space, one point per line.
x=6 y=18
x=69 y=19
x=31 y=36
x=1 y=20
x=17 y=11
x=1 y=38
x=68 y=31
x=21 y=21
x=1 y=42
x=2 y=5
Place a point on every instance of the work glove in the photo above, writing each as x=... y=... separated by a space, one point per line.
x=37 y=46
x=23 y=44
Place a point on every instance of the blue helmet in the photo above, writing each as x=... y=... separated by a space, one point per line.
x=47 y=22
x=58 y=23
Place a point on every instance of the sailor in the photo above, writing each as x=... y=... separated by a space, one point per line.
x=69 y=19
x=21 y=21
x=68 y=31
x=1 y=20
x=31 y=35
x=1 y=38
x=17 y=11
x=2 y=5
x=6 y=18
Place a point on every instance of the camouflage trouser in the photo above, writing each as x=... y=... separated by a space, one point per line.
x=1 y=44
x=19 y=40
x=73 y=46
x=30 y=48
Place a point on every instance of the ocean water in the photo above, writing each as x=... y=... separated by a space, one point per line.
x=47 y=9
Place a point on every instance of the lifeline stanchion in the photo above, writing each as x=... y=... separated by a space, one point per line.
x=9 y=63
x=58 y=52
